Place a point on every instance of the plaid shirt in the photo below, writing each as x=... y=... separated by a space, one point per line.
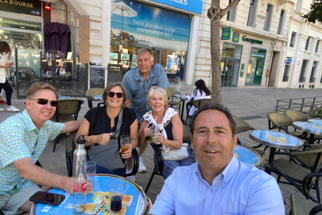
x=21 y=139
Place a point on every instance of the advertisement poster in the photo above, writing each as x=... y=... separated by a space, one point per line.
x=172 y=64
x=135 y=24
x=114 y=56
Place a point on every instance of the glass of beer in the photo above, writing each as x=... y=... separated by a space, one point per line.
x=116 y=187
x=125 y=142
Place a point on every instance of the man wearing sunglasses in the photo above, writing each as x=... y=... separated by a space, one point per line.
x=137 y=83
x=23 y=138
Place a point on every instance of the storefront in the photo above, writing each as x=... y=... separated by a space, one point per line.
x=135 y=25
x=255 y=66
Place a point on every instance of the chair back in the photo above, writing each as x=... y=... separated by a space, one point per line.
x=242 y=125
x=171 y=91
x=200 y=102
x=186 y=134
x=296 y=115
x=311 y=157
x=92 y=92
x=276 y=119
x=68 y=107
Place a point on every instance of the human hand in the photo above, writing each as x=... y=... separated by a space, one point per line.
x=158 y=138
x=89 y=188
x=127 y=154
x=187 y=94
x=104 y=138
x=147 y=130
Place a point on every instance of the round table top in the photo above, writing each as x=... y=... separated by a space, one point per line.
x=247 y=156
x=309 y=127
x=276 y=139
x=65 y=97
x=181 y=96
x=134 y=199
x=98 y=97
x=316 y=121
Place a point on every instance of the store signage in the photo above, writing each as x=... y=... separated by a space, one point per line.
x=252 y=41
x=30 y=7
x=236 y=37
x=189 y=5
x=288 y=61
x=257 y=54
x=225 y=34
x=242 y=70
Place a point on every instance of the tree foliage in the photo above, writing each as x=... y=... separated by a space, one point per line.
x=316 y=12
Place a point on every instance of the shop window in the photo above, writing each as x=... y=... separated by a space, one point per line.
x=292 y=40
x=281 y=23
x=286 y=72
x=303 y=68
x=231 y=15
x=307 y=44
x=269 y=12
x=299 y=5
x=317 y=46
x=252 y=13
x=312 y=77
x=20 y=24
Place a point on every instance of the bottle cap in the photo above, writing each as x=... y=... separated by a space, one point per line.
x=81 y=139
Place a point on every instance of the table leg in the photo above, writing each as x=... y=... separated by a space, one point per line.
x=311 y=140
x=183 y=102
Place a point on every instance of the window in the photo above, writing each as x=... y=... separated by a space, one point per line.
x=287 y=70
x=307 y=44
x=312 y=77
x=269 y=12
x=299 y=5
x=252 y=13
x=280 y=28
x=302 y=75
x=292 y=41
x=317 y=46
x=231 y=15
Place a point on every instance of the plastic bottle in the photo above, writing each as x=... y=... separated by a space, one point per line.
x=80 y=153
x=80 y=186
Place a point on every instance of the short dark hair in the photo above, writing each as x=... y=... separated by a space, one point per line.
x=110 y=86
x=4 y=47
x=35 y=87
x=217 y=107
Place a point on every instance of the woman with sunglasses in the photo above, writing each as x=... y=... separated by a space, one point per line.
x=100 y=123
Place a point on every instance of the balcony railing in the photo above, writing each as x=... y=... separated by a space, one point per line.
x=312 y=80
x=285 y=78
x=302 y=79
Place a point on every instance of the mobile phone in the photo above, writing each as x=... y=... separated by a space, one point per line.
x=47 y=198
x=10 y=64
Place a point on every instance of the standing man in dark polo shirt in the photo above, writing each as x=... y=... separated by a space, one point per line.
x=138 y=82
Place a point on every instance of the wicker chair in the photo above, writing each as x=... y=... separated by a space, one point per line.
x=197 y=103
x=92 y=92
x=170 y=93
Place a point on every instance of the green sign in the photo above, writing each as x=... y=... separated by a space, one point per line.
x=257 y=54
x=30 y=7
x=242 y=70
x=252 y=41
x=236 y=37
x=225 y=35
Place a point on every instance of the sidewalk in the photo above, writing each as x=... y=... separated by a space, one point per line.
x=252 y=103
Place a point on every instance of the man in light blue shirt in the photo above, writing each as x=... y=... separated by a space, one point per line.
x=137 y=83
x=218 y=183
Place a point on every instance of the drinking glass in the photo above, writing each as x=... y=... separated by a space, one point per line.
x=116 y=187
x=90 y=170
x=125 y=142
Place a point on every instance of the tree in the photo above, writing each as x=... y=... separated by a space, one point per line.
x=316 y=12
x=215 y=13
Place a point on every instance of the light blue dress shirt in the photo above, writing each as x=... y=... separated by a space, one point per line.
x=239 y=189
x=137 y=87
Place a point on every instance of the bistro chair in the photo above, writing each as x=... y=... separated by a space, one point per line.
x=67 y=110
x=92 y=92
x=308 y=205
x=196 y=103
x=174 y=104
x=296 y=115
x=243 y=126
x=294 y=169
x=70 y=147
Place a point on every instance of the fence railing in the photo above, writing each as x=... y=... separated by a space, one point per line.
x=307 y=105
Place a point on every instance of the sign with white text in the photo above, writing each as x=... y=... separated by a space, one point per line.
x=189 y=5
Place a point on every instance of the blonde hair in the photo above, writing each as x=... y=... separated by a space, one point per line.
x=159 y=90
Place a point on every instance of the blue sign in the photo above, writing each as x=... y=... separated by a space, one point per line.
x=189 y=5
x=288 y=61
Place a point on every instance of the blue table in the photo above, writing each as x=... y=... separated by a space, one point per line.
x=98 y=97
x=316 y=121
x=65 y=97
x=313 y=129
x=248 y=156
x=135 y=196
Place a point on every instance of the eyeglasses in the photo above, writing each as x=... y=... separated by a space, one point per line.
x=118 y=95
x=45 y=101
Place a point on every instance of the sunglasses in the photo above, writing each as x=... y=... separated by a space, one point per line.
x=118 y=95
x=45 y=101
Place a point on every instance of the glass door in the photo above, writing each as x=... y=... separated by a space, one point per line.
x=229 y=72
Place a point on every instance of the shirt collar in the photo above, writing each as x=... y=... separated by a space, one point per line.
x=30 y=126
x=226 y=174
x=138 y=77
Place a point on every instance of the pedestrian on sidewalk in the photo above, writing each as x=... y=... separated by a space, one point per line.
x=4 y=84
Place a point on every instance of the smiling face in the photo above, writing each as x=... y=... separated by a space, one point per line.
x=40 y=113
x=157 y=102
x=213 y=141
x=145 y=61
x=114 y=101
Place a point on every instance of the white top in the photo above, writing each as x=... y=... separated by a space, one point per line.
x=198 y=96
x=61 y=72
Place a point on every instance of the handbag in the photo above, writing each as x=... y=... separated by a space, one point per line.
x=176 y=155
x=108 y=156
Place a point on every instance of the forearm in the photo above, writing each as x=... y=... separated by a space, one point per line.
x=134 y=143
x=71 y=126
x=172 y=144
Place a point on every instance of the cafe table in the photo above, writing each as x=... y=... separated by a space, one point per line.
x=65 y=97
x=315 y=121
x=134 y=199
x=183 y=99
x=248 y=156
x=312 y=128
x=98 y=97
